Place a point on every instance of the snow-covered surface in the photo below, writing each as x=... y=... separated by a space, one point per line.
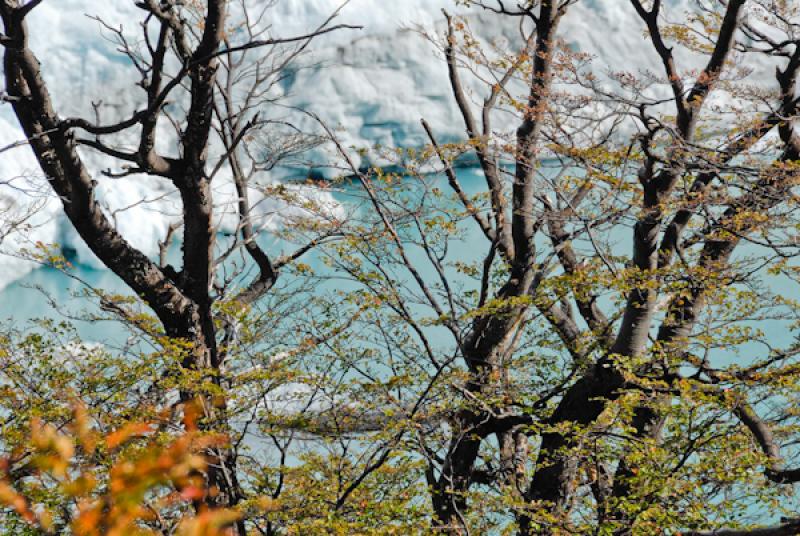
x=377 y=83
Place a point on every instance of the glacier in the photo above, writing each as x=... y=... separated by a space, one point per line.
x=376 y=83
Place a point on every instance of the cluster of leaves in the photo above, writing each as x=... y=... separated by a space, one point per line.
x=137 y=479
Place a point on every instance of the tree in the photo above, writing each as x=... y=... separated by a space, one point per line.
x=207 y=72
x=597 y=361
x=586 y=342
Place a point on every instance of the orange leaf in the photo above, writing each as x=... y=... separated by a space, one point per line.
x=118 y=437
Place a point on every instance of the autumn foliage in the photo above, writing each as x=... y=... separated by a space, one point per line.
x=113 y=484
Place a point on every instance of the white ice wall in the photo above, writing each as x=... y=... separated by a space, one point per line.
x=377 y=83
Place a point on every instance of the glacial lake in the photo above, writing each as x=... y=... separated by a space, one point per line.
x=36 y=294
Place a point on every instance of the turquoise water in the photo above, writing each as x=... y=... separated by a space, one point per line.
x=47 y=292
x=50 y=293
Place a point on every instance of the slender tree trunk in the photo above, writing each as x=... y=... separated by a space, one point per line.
x=184 y=307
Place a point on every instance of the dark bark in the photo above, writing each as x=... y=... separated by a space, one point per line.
x=184 y=307
x=490 y=335
x=555 y=478
x=683 y=312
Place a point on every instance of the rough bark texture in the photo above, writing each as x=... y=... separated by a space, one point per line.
x=183 y=304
